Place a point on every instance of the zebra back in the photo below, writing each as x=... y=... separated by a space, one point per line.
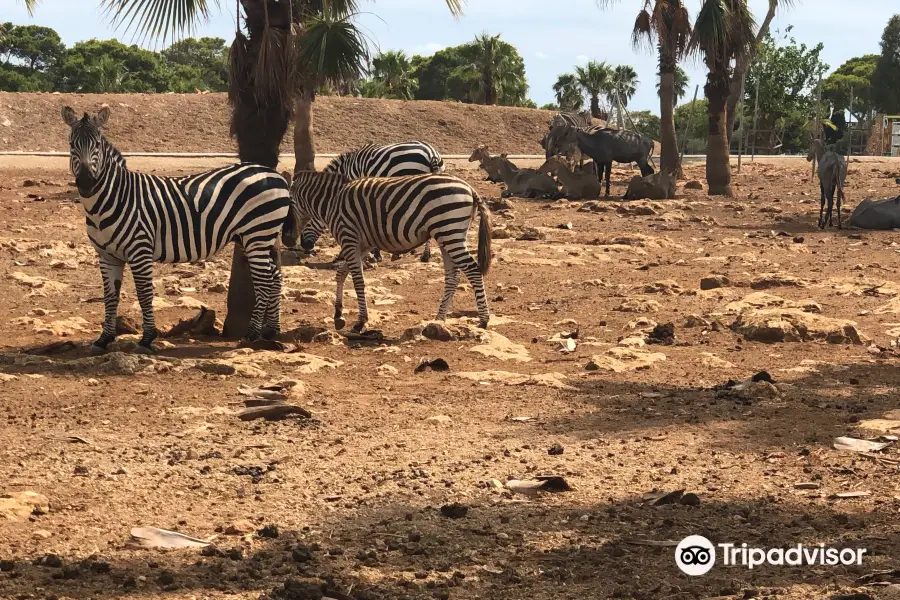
x=570 y=119
x=392 y=160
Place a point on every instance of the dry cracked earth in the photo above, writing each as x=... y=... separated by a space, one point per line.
x=619 y=358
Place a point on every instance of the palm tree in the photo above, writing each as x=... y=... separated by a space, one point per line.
x=742 y=64
x=667 y=24
x=109 y=75
x=393 y=70
x=594 y=79
x=568 y=92
x=621 y=88
x=263 y=80
x=680 y=86
x=724 y=32
x=487 y=61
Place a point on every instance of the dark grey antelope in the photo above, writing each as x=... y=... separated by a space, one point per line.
x=138 y=219
x=832 y=176
x=605 y=146
x=398 y=214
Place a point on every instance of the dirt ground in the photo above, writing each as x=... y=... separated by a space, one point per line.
x=355 y=493
x=199 y=123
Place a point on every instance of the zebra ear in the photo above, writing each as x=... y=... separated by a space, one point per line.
x=102 y=117
x=68 y=115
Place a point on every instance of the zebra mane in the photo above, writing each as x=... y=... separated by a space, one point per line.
x=346 y=156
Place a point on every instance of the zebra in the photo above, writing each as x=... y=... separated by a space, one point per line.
x=398 y=214
x=138 y=219
x=572 y=119
x=570 y=151
x=392 y=160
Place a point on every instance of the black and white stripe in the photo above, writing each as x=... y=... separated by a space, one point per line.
x=572 y=119
x=392 y=160
x=138 y=219
x=397 y=215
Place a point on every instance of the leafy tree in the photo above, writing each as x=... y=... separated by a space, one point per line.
x=594 y=79
x=201 y=63
x=886 y=79
x=647 y=123
x=33 y=47
x=854 y=76
x=690 y=120
x=392 y=69
x=528 y=103
x=723 y=33
x=788 y=74
x=79 y=71
x=109 y=76
x=568 y=92
x=550 y=106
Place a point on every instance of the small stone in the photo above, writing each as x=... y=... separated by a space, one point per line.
x=81 y=470
x=269 y=531
x=301 y=554
x=714 y=282
x=693 y=185
x=440 y=420
x=437 y=332
x=126 y=326
x=240 y=527
x=555 y=450
x=41 y=534
x=690 y=499
x=455 y=510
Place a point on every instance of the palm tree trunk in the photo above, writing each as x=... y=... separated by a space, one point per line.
x=489 y=93
x=668 y=139
x=742 y=65
x=304 y=148
x=718 y=167
x=259 y=129
x=595 y=107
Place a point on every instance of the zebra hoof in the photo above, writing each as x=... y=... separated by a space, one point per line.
x=339 y=323
x=270 y=333
x=98 y=350
x=425 y=258
x=482 y=324
x=358 y=327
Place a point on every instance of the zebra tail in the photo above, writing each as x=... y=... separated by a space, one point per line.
x=437 y=164
x=293 y=225
x=484 y=235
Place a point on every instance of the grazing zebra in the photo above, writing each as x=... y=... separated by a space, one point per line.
x=398 y=214
x=138 y=219
x=581 y=119
x=392 y=160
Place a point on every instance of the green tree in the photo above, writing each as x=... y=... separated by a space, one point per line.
x=78 y=71
x=568 y=92
x=594 y=79
x=854 y=76
x=393 y=70
x=886 y=79
x=550 y=106
x=621 y=88
x=788 y=74
x=33 y=47
x=647 y=123
x=108 y=76
x=500 y=69
x=723 y=33
x=666 y=25
x=199 y=63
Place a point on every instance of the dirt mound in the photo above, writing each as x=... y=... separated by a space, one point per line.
x=199 y=123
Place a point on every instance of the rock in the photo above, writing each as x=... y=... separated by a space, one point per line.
x=439 y=420
x=638 y=305
x=753 y=301
x=498 y=346
x=693 y=185
x=240 y=527
x=312 y=296
x=771 y=280
x=794 y=325
x=438 y=332
x=711 y=361
x=18 y=506
x=695 y=321
x=556 y=450
x=41 y=534
x=500 y=234
x=218 y=288
x=30 y=183
x=620 y=360
x=667 y=287
x=551 y=380
x=126 y=326
x=455 y=510
x=637 y=210
x=690 y=499
x=662 y=334
x=387 y=371
x=530 y=234
x=714 y=282
x=658 y=186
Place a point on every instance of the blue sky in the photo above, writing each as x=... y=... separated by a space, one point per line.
x=551 y=41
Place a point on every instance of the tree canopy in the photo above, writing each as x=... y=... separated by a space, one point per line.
x=886 y=79
x=854 y=76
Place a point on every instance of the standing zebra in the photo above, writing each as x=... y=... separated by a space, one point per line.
x=398 y=214
x=392 y=160
x=581 y=119
x=140 y=219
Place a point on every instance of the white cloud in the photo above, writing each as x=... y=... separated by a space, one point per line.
x=428 y=49
x=541 y=56
x=581 y=58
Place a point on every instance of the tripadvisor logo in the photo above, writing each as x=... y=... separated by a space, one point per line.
x=696 y=555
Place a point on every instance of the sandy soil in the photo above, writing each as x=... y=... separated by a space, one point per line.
x=199 y=123
x=355 y=493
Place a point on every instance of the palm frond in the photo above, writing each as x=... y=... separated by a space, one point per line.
x=333 y=50
x=711 y=28
x=30 y=6
x=156 y=19
x=643 y=33
x=456 y=7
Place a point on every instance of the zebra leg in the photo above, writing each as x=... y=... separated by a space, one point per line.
x=340 y=278
x=142 y=270
x=272 y=326
x=112 y=270
x=260 y=260
x=426 y=251
x=463 y=260
x=359 y=284
x=451 y=280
